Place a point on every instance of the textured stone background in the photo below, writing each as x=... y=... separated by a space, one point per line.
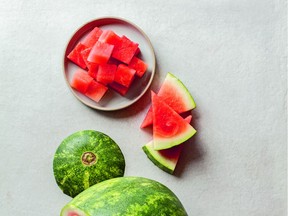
x=232 y=56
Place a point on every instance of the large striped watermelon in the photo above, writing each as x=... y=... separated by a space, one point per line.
x=86 y=158
x=125 y=196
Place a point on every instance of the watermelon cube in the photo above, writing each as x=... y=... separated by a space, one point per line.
x=100 y=53
x=93 y=70
x=96 y=91
x=125 y=51
x=110 y=37
x=106 y=73
x=139 y=65
x=124 y=75
x=92 y=37
x=81 y=80
x=122 y=90
x=76 y=57
x=85 y=54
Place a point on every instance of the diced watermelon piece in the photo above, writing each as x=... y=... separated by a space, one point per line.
x=169 y=128
x=125 y=51
x=76 y=57
x=93 y=70
x=137 y=51
x=81 y=81
x=106 y=73
x=139 y=65
x=110 y=37
x=92 y=37
x=124 y=75
x=85 y=54
x=100 y=53
x=122 y=90
x=96 y=91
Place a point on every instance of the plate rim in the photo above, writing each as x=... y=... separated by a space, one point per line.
x=153 y=71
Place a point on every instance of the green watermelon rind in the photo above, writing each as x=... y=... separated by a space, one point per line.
x=123 y=196
x=165 y=143
x=190 y=102
x=157 y=159
x=72 y=176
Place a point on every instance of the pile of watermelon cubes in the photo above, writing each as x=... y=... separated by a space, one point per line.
x=106 y=61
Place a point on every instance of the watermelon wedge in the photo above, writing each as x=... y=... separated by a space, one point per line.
x=174 y=93
x=169 y=128
x=165 y=159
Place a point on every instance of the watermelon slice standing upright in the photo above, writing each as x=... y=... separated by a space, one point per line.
x=174 y=93
x=169 y=128
x=165 y=159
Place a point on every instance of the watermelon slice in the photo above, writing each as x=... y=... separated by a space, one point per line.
x=76 y=57
x=169 y=128
x=165 y=159
x=92 y=37
x=174 y=93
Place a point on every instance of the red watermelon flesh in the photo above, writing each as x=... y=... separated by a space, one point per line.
x=169 y=128
x=96 y=91
x=124 y=75
x=100 y=53
x=166 y=159
x=76 y=57
x=93 y=70
x=175 y=94
x=85 y=54
x=106 y=73
x=92 y=37
x=122 y=90
x=139 y=65
x=110 y=37
x=81 y=81
x=125 y=51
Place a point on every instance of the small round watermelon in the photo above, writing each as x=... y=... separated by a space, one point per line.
x=125 y=196
x=86 y=158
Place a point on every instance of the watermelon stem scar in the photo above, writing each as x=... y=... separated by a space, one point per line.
x=88 y=158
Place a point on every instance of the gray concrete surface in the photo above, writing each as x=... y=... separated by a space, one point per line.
x=231 y=55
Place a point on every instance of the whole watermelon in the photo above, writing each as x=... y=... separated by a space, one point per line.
x=86 y=158
x=123 y=196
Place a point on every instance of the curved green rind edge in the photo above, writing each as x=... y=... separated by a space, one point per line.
x=72 y=176
x=170 y=142
x=179 y=83
x=157 y=159
x=68 y=209
x=123 y=196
